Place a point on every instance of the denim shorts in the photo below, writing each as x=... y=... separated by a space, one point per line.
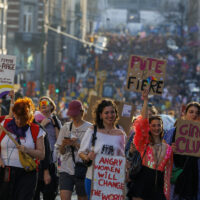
x=67 y=182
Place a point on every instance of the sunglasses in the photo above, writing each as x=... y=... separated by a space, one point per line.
x=44 y=103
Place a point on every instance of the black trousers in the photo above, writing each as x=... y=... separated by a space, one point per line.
x=50 y=190
x=21 y=186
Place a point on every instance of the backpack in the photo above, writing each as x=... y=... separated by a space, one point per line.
x=57 y=124
x=34 y=132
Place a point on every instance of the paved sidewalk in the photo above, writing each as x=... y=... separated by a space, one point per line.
x=74 y=197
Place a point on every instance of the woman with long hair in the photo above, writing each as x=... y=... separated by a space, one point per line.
x=109 y=139
x=153 y=180
x=186 y=185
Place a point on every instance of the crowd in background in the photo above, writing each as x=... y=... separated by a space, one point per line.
x=182 y=74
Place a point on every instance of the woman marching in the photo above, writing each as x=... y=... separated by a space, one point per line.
x=67 y=144
x=186 y=185
x=153 y=181
x=109 y=140
x=16 y=182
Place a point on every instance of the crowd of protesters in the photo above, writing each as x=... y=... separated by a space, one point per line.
x=62 y=149
x=182 y=75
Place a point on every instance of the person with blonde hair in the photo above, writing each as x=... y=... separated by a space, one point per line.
x=48 y=179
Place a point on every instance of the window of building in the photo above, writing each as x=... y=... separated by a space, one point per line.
x=28 y=18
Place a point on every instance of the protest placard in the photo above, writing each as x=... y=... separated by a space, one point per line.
x=108 y=178
x=188 y=138
x=7 y=73
x=144 y=72
x=126 y=112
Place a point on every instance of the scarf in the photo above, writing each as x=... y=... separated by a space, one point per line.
x=18 y=131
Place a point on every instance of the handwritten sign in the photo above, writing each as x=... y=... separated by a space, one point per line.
x=146 y=72
x=188 y=138
x=108 y=178
x=7 y=73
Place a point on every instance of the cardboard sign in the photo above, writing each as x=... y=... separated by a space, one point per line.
x=7 y=73
x=144 y=73
x=108 y=178
x=126 y=112
x=188 y=138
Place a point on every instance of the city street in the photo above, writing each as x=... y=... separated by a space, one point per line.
x=101 y=96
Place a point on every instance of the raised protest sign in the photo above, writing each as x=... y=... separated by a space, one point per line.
x=146 y=72
x=126 y=111
x=108 y=178
x=7 y=73
x=188 y=138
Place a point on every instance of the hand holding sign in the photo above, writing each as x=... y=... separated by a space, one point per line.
x=7 y=69
x=146 y=72
x=188 y=138
x=145 y=94
x=108 y=178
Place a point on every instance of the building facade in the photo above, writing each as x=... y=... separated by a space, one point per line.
x=25 y=39
x=3 y=26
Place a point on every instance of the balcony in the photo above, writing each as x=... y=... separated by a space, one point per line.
x=27 y=39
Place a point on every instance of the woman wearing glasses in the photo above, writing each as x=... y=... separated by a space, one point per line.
x=48 y=180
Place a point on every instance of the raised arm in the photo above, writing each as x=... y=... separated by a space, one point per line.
x=141 y=125
x=144 y=111
x=12 y=101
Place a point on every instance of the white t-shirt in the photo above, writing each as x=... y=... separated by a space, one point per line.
x=67 y=163
x=9 y=151
x=113 y=145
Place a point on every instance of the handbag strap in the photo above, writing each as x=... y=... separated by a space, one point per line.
x=94 y=137
x=72 y=148
x=144 y=152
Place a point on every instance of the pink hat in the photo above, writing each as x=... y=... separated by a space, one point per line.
x=74 y=108
x=38 y=116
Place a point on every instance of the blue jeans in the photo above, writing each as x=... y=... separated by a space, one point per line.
x=88 y=187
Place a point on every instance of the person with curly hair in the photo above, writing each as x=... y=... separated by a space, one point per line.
x=16 y=182
x=153 y=180
x=109 y=139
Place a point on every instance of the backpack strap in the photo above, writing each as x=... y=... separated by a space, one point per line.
x=55 y=119
x=72 y=148
x=35 y=128
x=34 y=131
x=4 y=125
x=94 y=136
x=70 y=127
